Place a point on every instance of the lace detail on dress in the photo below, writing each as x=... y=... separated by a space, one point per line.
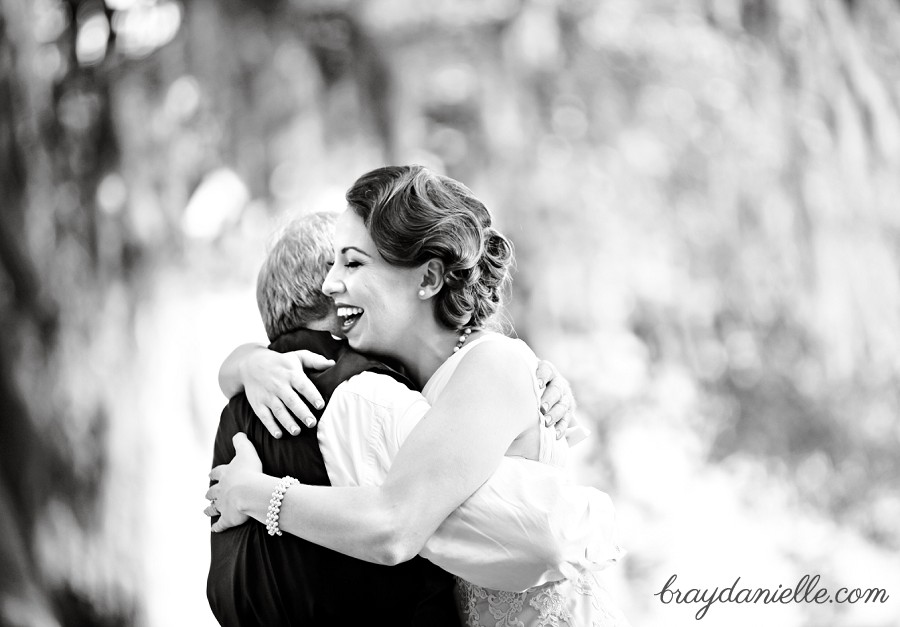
x=551 y=607
x=503 y=606
x=579 y=603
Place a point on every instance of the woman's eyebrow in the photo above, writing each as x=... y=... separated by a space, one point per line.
x=359 y=250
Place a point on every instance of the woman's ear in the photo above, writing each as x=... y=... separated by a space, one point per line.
x=432 y=272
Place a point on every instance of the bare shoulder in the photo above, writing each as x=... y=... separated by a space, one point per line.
x=499 y=350
x=500 y=360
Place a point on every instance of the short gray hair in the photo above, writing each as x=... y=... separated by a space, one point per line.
x=289 y=287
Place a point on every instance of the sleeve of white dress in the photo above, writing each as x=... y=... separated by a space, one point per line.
x=527 y=525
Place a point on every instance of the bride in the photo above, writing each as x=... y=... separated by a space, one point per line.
x=418 y=274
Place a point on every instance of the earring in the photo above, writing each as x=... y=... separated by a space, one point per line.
x=421 y=293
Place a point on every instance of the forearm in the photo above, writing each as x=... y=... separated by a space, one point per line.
x=358 y=521
x=230 y=377
x=442 y=462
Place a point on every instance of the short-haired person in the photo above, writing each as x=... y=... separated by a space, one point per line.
x=418 y=273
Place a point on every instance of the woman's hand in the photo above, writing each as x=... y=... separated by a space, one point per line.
x=557 y=401
x=223 y=495
x=274 y=383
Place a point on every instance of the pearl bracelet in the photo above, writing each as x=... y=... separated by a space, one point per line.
x=275 y=504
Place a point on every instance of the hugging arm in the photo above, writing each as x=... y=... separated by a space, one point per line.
x=274 y=383
x=526 y=525
x=485 y=406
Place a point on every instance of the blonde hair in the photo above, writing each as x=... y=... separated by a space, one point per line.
x=289 y=286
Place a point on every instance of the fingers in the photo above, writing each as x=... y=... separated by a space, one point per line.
x=216 y=473
x=265 y=416
x=549 y=398
x=298 y=408
x=213 y=493
x=568 y=399
x=558 y=404
x=545 y=373
x=561 y=426
x=306 y=389
x=211 y=510
x=313 y=361
x=285 y=417
x=245 y=453
x=218 y=526
x=568 y=420
x=242 y=446
x=556 y=413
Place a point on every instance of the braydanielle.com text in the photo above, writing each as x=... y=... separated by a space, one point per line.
x=807 y=590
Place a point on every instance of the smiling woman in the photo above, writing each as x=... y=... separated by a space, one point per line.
x=377 y=302
x=418 y=274
x=414 y=215
x=414 y=247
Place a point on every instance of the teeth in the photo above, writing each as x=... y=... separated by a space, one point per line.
x=345 y=312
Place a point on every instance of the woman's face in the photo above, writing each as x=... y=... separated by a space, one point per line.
x=375 y=301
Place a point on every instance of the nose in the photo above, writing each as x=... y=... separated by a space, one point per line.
x=332 y=284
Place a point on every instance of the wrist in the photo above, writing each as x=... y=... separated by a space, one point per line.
x=252 y=495
x=238 y=366
x=273 y=513
x=242 y=367
x=252 y=362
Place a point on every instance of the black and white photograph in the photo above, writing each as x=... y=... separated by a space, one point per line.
x=497 y=313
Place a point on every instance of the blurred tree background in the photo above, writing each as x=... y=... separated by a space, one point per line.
x=703 y=197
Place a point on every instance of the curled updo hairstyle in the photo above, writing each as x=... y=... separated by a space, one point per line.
x=414 y=215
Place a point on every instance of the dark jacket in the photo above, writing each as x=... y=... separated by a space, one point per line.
x=255 y=579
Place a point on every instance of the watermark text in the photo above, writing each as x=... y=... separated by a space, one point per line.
x=807 y=590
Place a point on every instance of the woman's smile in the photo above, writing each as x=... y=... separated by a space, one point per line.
x=374 y=300
x=349 y=316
